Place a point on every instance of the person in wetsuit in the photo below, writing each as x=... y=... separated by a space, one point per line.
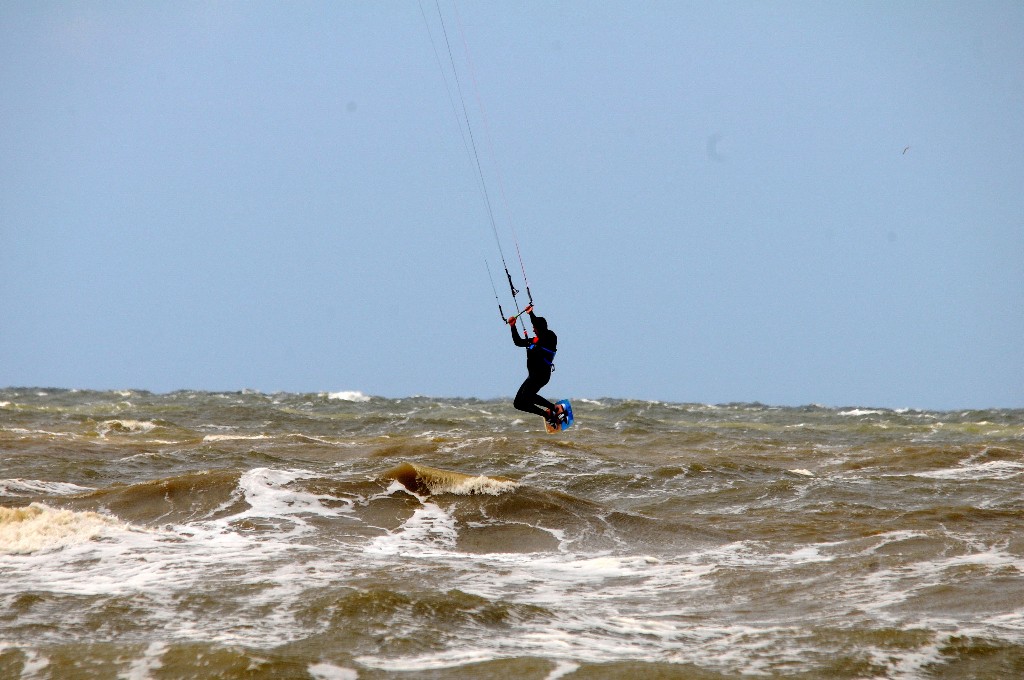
x=540 y=356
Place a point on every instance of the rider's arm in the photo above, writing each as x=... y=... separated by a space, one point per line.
x=520 y=341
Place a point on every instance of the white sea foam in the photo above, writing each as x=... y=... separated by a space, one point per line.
x=328 y=671
x=269 y=495
x=450 y=658
x=993 y=469
x=588 y=622
x=430 y=531
x=351 y=395
x=862 y=412
x=183 y=559
x=913 y=664
x=1013 y=621
x=143 y=667
x=234 y=437
x=35 y=664
x=598 y=638
x=748 y=554
x=161 y=564
x=883 y=592
x=308 y=439
x=465 y=442
x=562 y=668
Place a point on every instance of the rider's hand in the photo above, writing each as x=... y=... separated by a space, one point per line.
x=528 y=309
x=511 y=321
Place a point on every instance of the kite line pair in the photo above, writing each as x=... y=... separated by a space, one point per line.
x=472 y=151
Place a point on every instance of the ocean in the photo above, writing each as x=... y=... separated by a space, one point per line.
x=338 y=536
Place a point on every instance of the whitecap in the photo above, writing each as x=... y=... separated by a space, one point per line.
x=39 y=527
x=423 y=479
x=233 y=437
x=37 y=487
x=994 y=469
x=125 y=426
x=351 y=395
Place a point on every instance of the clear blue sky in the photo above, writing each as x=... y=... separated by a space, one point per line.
x=712 y=200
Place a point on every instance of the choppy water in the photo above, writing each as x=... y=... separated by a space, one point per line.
x=272 y=536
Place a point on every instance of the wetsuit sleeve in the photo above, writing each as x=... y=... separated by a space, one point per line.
x=520 y=341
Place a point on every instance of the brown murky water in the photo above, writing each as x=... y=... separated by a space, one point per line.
x=332 y=536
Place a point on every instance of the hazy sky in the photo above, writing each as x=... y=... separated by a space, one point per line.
x=713 y=200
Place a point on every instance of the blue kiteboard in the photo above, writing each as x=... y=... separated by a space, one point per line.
x=566 y=421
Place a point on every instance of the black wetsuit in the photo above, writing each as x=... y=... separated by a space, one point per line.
x=540 y=356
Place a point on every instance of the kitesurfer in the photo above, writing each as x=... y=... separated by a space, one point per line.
x=540 y=356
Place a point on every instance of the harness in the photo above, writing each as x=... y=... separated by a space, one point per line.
x=547 y=361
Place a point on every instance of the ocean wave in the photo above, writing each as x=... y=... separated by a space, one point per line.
x=178 y=499
x=125 y=426
x=35 y=487
x=429 y=480
x=39 y=527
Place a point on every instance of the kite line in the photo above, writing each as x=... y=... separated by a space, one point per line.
x=472 y=150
